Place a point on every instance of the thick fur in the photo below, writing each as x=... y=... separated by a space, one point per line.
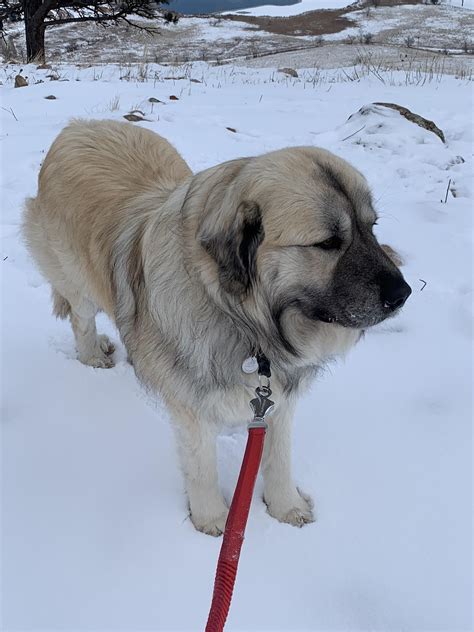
x=198 y=272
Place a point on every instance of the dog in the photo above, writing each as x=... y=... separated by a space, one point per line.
x=198 y=272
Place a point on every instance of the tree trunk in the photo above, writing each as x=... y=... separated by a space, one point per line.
x=34 y=30
x=34 y=42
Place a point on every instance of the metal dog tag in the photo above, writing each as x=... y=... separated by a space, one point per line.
x=250 y=365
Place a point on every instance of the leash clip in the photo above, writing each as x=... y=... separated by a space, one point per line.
x=261 y=406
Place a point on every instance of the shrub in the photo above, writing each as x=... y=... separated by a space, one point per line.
x=366 y=38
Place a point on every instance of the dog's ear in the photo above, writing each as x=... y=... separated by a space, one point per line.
x=392 y=254
x=234 y=247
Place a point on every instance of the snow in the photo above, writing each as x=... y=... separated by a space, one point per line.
x=423 y=23
x=466 y=4
x=314 y=5
x=95 y=532
x=214 y=29
x=293 y=9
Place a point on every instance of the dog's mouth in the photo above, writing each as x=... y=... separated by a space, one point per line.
x=356 y=318
x=353 y=320
x=324 y=318
x=316 y=314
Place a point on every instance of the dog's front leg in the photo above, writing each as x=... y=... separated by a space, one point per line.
x=284 y=500
x=197 y=450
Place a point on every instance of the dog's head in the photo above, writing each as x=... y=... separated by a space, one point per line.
x=293 y=230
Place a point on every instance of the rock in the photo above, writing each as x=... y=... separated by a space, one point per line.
x=44 y=67
x=415 y=118
x=289 y=71
x=134 y=118
x=154 y=100
x=20 y=81
x=232 y=129
x=51 y=97
x=173 y=98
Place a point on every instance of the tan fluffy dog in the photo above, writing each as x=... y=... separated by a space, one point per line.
x=198 y=272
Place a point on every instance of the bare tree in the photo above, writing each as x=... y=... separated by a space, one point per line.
x=38 y=15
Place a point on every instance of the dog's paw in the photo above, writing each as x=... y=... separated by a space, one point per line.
x=98 y=360
x=297 y=511
x=106 y=345
x=100 y=357
x=210 y=525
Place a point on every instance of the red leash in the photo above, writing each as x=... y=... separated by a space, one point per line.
x=238 y=513
x=234 y=532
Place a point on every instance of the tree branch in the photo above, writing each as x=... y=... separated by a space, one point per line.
x=104 y=17
x=44 y=9
x=39 y=14
x=143 y=8
x=84 y=18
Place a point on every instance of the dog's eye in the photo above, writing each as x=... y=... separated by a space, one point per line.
x=333 y=243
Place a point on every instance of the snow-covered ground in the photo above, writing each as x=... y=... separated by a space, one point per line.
x=316 y=39
x=466 y=4
x=314 y=5
x=95 y=532
x=293 y=9
x=420 y=24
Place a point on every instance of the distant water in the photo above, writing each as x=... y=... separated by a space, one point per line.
x=209 y=6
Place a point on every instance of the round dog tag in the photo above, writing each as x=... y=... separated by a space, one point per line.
x=250 y=365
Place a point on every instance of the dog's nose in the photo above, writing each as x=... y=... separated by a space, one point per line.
x=394 y=292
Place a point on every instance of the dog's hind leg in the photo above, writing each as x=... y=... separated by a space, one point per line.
x=92 y=349
x=197 y=450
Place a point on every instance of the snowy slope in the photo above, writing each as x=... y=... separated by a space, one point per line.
x=95 y=529
x=314 y=5
x=293 y=9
